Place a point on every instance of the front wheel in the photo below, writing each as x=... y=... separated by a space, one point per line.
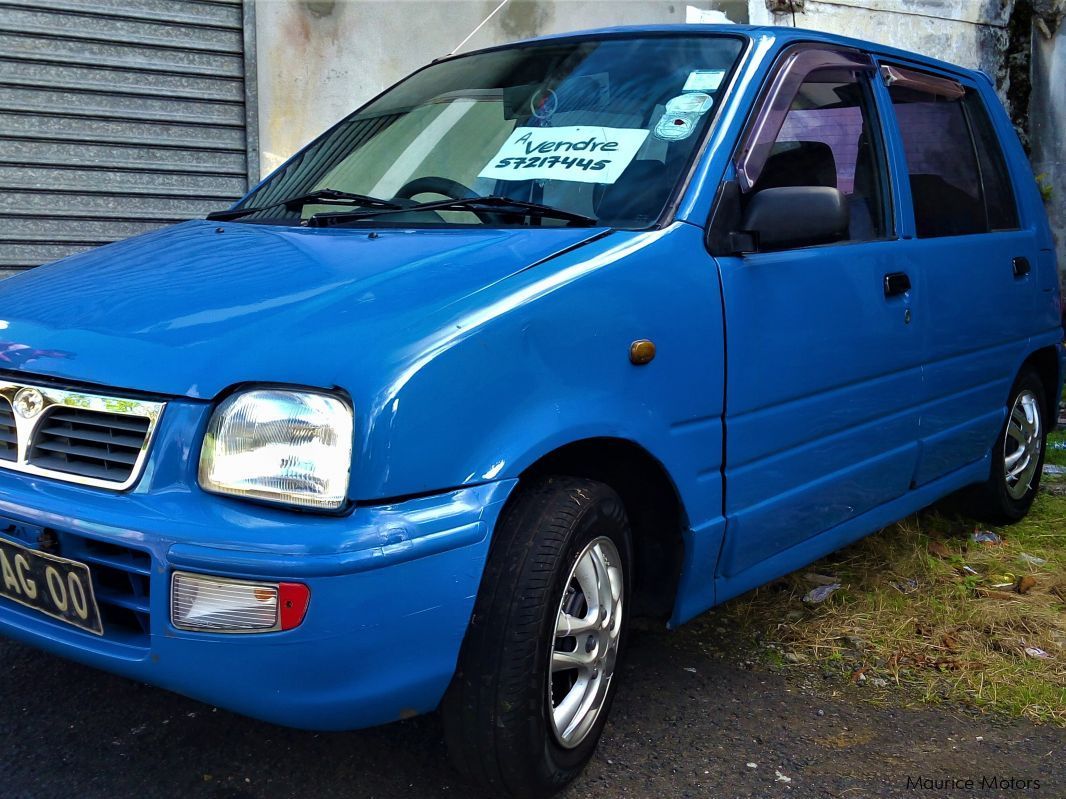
x=1018 y=454
x=536 y=674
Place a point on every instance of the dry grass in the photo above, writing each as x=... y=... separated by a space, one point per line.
x=958 y=632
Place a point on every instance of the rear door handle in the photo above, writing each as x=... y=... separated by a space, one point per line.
x=1021 y=266
x=897 y=283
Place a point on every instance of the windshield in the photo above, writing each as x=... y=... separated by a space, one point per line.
x=600 y=129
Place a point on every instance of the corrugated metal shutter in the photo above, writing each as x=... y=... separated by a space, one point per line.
x=116 y=117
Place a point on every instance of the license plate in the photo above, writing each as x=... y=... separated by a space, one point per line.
x=57 y=587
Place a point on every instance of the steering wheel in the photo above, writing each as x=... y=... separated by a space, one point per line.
x=453 y=189
x=431 y=184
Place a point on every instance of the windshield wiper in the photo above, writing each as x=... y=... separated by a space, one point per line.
x=320 y=195
x=491 y=202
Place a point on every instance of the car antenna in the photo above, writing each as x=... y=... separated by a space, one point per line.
x=481 y=25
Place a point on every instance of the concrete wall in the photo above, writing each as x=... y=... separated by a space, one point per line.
x=967 y=32
x=320 y=59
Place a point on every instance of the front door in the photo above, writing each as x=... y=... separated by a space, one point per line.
x=823 y=343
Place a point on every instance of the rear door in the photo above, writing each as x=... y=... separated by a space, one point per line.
x=823 y=344
x=976 y=264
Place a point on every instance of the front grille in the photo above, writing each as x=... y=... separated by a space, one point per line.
x=121 y=583
x=8 y=436
x=91 y=439
x=103 y=446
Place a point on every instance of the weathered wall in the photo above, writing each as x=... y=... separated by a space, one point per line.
x=967 y=32
x=320 y=59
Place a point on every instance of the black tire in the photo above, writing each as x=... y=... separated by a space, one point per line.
x=992 y=500
x=497 y=721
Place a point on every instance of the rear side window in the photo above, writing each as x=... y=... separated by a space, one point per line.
x=958 y=177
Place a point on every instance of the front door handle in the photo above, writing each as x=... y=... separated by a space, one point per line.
x=1021 y=266
x=897 y=283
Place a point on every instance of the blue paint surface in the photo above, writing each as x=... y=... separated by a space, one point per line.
x=790 y=407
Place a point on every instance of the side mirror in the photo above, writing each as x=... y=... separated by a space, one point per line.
x=796 y=216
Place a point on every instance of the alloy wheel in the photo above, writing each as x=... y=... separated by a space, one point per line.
x=585 y=644
x=1022 y=444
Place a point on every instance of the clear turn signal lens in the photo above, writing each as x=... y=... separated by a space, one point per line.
x=221 y=605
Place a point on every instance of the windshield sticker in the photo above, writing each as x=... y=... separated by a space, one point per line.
x=675 y=127
x=704 y=80
x=543 y=104
x=690 y=103
x=581 y=153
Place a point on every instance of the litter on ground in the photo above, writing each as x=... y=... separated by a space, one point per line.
x=1032 y=560
x=908 y=586
x=821 y=593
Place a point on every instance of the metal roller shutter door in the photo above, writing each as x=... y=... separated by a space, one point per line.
x=117 y=117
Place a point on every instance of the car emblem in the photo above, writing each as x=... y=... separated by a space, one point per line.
x=28 y=403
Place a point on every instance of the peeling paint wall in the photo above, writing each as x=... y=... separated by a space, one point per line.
x=320 y=59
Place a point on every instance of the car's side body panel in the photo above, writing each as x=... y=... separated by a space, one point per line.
x=794 y=491
x=825 y=372
x=821 y=422
x=848 y=532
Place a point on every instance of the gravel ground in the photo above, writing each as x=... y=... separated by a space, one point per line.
x=688 y=722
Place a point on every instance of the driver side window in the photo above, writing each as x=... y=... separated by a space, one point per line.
x=830 y=137
x=811 y=167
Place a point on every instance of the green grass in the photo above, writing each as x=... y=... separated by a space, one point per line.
x=1055 y=441
x=959 y=636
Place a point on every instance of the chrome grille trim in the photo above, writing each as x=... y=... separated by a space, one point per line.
x=28 y=430
x=8 y=436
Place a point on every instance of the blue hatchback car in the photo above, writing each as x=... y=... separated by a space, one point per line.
x=544 y=337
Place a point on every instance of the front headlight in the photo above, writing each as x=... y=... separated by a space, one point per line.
x=281 y=446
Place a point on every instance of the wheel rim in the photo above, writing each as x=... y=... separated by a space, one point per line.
x=1022 y=444
x=584 y=650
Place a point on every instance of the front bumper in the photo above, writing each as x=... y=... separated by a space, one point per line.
x=392 y=590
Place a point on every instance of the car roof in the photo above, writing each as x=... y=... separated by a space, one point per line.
x=782 y=35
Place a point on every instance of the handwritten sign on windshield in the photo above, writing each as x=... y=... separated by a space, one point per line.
x=579 y=152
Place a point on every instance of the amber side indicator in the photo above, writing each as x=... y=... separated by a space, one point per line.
x=641 y=352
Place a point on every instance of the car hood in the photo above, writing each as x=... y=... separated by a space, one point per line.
x=195 y=308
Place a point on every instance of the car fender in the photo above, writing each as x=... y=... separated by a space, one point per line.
x=541 y=360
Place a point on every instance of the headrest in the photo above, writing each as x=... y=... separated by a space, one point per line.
x=799 y=163
x=941 y=209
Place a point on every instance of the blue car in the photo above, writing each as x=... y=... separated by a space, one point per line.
x=543 y=338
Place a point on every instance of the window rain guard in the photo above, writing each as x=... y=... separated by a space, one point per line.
x=776 y=102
